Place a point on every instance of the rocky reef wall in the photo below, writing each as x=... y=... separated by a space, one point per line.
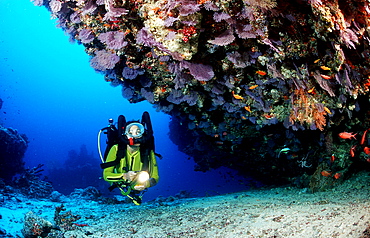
x=13 y=145
x=263 y=86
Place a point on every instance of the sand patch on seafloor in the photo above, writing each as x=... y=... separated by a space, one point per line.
x=278 y=212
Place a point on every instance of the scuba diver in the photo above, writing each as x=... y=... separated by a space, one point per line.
x=130 y=161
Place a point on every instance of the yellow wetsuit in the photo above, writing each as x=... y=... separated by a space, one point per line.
x=133 y=163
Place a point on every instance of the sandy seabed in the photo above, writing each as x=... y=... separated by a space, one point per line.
x=275 y=212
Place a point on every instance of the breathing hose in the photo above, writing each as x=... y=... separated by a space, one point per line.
x=99 y=148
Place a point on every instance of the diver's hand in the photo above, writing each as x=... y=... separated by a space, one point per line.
x=129 y=176
x=139 y=187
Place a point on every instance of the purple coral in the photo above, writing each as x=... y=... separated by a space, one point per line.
x=200 y=72
x=349 y=37
x=218 y=101
x=169 y=21
x=188 y=7
x=324 y=84
x=240 y=61
x=86 y=36
x=245 y=31
x=192 y=98
x=104 y=60
x=148 y=95
x=113 y=39
x=130 y=73
x=38 y=3
x=171 y=35
x=181 y=79
x=225 y=38
x=128 y=92
x=176 y=97
x=89 y=7
x=210 y=6
x=218 y=17
x=75 y=17
x=55 y=6
x=145 y=38
x=113 y=12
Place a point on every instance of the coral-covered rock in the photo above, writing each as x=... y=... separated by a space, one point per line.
x=225 y=69
x=32 y=185
x=35 y=226
x=90 y=193
x=12 y=146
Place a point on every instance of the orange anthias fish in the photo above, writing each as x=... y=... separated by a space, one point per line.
x=248 y=108
x=363 y=138
x=327 y=110
x=325 y=68
x=347 y=135
x=325 y=173
x=260 y=72
x=312 y=91
x=367 y=150
x=332 y=158
x=337 y=175
x=352 y=151
x=325 y=76
x=236 y=96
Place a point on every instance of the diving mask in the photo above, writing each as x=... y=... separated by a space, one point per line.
x=134 y=130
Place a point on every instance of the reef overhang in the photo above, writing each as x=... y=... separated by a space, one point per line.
x=242 y=79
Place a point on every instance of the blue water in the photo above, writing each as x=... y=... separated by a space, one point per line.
x=52 y=95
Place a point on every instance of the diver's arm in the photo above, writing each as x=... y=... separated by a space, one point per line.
x=109 y=174
x=154 y=176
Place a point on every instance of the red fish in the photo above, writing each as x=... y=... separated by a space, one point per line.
x=325 y=76
x=325 y=173
x=337 y=175
x=332 y=158
x=312 y=91
x=363 y=138
x=80 y=225
x=260 y=72
x=347 y=135
x=352 y=151
x=367 y=150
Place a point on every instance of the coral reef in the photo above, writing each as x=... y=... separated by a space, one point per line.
x=35 y=226
x=236 y=73
x=13 y=145
x=65 y=219
x=31 y=184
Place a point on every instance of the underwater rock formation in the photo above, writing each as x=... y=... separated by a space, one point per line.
x=12 y=146
x=30 y=183
x=245 y=78
x=89 y=193
x=35 y=226
x=68 y=177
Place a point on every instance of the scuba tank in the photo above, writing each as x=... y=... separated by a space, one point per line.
x=114 y=135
